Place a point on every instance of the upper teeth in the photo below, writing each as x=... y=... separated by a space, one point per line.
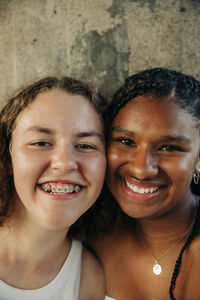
x=141 y=190
x=61 y=188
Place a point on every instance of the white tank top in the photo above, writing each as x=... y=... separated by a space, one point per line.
x=65 y=286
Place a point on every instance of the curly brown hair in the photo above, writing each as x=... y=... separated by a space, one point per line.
x=9 y=114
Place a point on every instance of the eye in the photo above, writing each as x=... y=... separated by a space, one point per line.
x=126 y=142
x=85 y=147
x=170 y=148
x=41 y=144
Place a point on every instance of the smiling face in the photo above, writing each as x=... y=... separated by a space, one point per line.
x=152 y=153
x=57 y=151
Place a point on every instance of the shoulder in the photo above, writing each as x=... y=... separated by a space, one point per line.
x=112 y=243
x=189 y=275
x=92 y=284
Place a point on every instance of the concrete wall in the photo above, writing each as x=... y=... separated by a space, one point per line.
x=102 y=41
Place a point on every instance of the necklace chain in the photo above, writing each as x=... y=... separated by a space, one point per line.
x=157 y=269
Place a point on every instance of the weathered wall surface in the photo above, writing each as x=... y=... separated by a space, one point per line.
x=102 y=41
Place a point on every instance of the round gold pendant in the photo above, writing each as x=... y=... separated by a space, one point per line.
x=157 y=269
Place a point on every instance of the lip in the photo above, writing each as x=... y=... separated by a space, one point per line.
x=143 y=183
x=142 y=197
x=62 y=181
x=60 y=197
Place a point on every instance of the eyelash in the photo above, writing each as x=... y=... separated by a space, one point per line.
x=126 y=142
x=168 y=148
x=47 y=144
x=41 y=144
x=171 y=148
x=85 y=147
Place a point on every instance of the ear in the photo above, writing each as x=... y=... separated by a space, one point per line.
x=197 y=165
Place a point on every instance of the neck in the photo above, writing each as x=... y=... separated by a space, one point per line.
x=30 y=244
x=170 y=226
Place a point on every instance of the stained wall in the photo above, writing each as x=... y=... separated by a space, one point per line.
x=102 y=41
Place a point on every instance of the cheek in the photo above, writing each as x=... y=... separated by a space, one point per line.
x=114 y=158
x=180 y=171
x=94 y=169
x=94 y=172
x=19 y=163
x=114 y=161
x=25 y=164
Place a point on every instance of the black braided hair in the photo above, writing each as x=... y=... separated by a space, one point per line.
x=161 y=83
x=178 y=263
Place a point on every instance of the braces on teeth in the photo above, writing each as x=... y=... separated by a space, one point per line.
x=62 y=190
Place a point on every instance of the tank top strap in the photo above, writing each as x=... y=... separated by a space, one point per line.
x=74 y=267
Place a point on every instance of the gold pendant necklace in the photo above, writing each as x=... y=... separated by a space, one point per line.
x=157 y=268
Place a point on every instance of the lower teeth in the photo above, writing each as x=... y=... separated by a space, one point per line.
x=62 y=192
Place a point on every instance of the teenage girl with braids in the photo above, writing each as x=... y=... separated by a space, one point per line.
x=153 y=251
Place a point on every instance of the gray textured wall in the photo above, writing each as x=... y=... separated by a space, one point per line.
x=102 y=41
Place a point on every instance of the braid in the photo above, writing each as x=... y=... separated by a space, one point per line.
x=177 y=266
x=160 y=83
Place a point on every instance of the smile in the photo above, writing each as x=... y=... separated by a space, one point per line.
x=138 y=190
x=60 y=188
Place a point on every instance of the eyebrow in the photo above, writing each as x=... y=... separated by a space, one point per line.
x=164 y=139
x=123 y=131
x=92 y=133
x=40 y=129
x=179 y=139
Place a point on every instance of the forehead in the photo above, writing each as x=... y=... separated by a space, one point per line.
x=149 y=113
x=58 y=107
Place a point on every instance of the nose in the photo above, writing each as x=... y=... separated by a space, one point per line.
x=144 y=164
x=64 y=158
